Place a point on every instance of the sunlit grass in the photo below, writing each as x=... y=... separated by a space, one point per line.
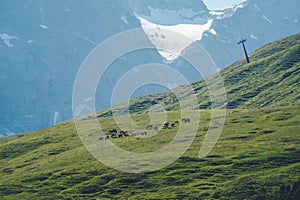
x=257 y=153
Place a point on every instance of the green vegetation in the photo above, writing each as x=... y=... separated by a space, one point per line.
x=256 y=157
x=9 y=137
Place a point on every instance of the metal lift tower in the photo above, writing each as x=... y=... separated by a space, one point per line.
x=246 y=54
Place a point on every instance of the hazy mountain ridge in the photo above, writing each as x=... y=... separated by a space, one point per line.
x=53 y=39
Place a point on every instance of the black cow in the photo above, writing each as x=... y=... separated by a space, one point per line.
x=166 y=124
x=125 y=133
x=144 y=133
x=149 y=127
x=186 y=120
x=113 y=131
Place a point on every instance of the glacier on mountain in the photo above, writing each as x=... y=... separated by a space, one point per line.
x=164 y=38
x=165 y=16
x=191 y=23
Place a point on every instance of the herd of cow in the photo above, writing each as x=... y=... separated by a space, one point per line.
x=113 y=133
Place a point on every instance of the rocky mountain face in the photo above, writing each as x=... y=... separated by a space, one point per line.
x=171 y=12
x=43 y=43
x=260 y=22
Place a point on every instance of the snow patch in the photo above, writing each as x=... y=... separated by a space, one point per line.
x=267 y=19
x=28 y=116
x=216 y=13
x=213 y=31
x=8 y=132
x=239 y=6
x=227 y=12
x=253 y=36
x=180 y=16
x=6 y=39
x=55 y=117
x=43 y=26
x=88 y=99
x=165 y=38
x=256 y=7
x=86 y=38
x=292 y=20
x=124 y=19
x=91 y=41
x=221 y=14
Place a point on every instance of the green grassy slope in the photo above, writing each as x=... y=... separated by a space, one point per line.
x=270 y=80
x=9 y=137
x=256 y=157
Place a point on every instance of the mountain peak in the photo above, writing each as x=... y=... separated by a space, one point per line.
x=166 y=12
